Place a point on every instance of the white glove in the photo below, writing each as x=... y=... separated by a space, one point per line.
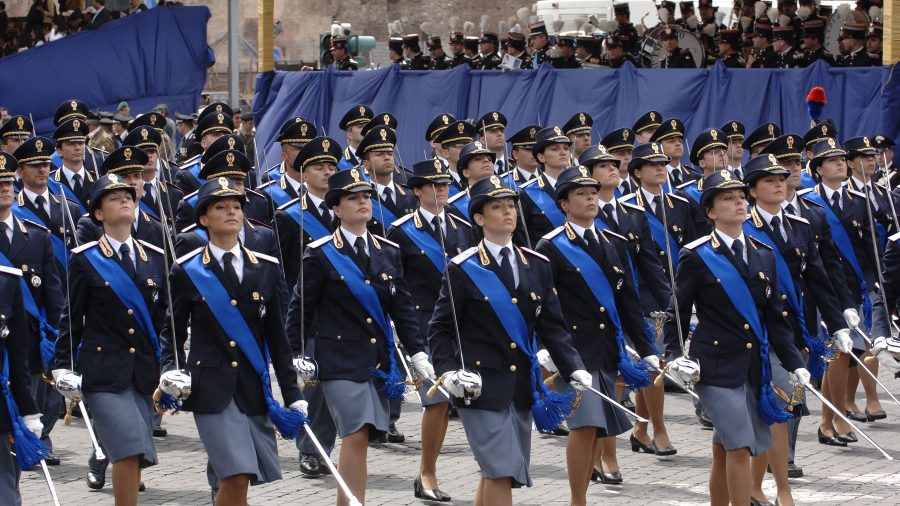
x=307 y=370
x=453 y=388
x=842 y=339
x=686 y=370
x=175 y=383
x=459 y=383
x=301 y=406
x=851 y=316
x=546 y=362
x=653 y=360
x=890 y=345
x=422 y=366
x=801 y=376
x=33 y=423
x=581 y=380
x=68 y=383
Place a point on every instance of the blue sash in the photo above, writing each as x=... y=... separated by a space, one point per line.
x=310 y=224
x=739 y=295
x=692 y=191
x=275 y=173
x=635 y=375
x=549 y=408
x=147 y=209
x=661 y=235
x=381 y=212
x=452 y=191
x=279 y=195
x=202 y=233
x=344 y=164
x=817 y=349
x=232 y=322
x=806 y=180
x=28 y=448
x=59 y=247
x=192 y=199
x=842 y=240
x=48 y=346
x=545 y=204
x=425 y=242
x=62 y=190
x=194 y=170
x=367 y=298
x=461 y=203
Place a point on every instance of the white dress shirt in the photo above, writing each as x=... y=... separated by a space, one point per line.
x=237 y=261
x=494 y=250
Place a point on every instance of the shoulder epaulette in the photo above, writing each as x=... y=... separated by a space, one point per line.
x=678 y=197
x=248 y=190
x=84 y=246
x=402 y=220
x=535 y=253
x=256 y=223
x=268 y=183
x=190 y=161
x=288 y=203
x=797 y=218
x=190 y=255
x=855 y=192
x=85 y=215
x=529 y=183
x=10 y=270
x=189 y=195
x=456 y=197
x=189 y=228
x=320 y=241
x=33 y=224
x=458 y=259
x=894 y=237
x=759 y=243
x=804 y=191
x=613 y=234
x=386 y=241
x=459 y=220
x=685 y=185
x=553 y=233
x=629 y=204
x=698 y=242
x=151 y=247
x=266 y=257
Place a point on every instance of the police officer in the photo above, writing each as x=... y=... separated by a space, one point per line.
x=538 y=39
x=352 y=123
x=492 y=133
x=184 y=124
x=157 y=122
x=786 y=57
x=759 y=138
x=232 y=300
x=524 y=164
x=457 y=40
x=426 y=237
x=497 y=295
x=853 y=46
x=117 y=301
x=26 y=245
x=675 y=57
x=603 y=266
x=566 y=60
x=72 y=177
x=438 y=125
x=475 y=163
x=453 y=138
x=615 y=53
x=392 y=200
x=439 y=59
x=734 y=154
x=646 y=126
x=707 y=152
x=293 y=135
x=157 y=197
x=539 y=210
x=670 y=135
x=515 y=46
x=341 y=52
x=14 y=132
x=354 y=281
x=619 y=144
x=578 y=130
x=213 y=122
x=489 y=45
x=76 y=109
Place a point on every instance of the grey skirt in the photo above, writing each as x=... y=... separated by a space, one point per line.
x=734 y=414
x=123 y=422
x=592 y=411
x=781 y=379
x=501 y=442
x=355 y=404
x=237 y=443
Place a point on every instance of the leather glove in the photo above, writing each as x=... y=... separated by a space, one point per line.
x=33 y=423
x=686 y=370
x=546 y=362
x=307 y=370
x=68 y=383
x=175 y=383
x=851 y=316
x=422 y=366
x=581 y=380
x=653 y=360
x=842 y=340
x=462 y=382
x=801 y=376
x=301 y=406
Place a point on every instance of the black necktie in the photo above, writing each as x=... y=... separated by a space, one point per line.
x=658 y=207
x=148 y=191
x=125 y=258
x=836 y=202
x=626 y=188
x=360 y=245
x=323 y=208
x=4 y=239
x=76 y=188
x=499 y=166
x=230 y=273
x=790 y=209
x=436 y=225
x=591 y=241
x=776 y=227
x=610 y=215
x=738 y=174
x=388 y=197
x=676 y=177
x=506 y=270
x=39 y=202
x=738 y=248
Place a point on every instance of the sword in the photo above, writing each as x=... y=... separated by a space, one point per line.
x=337 y=476
x=98 y=451
x=49 y=483
x=863 y=365
x=847 y=420
x=666 y=373
x=553 y=377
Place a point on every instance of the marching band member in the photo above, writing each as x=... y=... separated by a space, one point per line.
x=585 y=259
x=732 y=281
x=354 y=283
x=232 y=300
x=500 y=296
x=426 y=237
x=117 y=289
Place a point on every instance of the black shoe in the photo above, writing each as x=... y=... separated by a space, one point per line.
x=829 y=440
x=637 y=446
x=453 y=413
x=705 y=421
x=51 y=459
x=160 y=432
x=876 y=415
x=794 y=471
x=849 y=437
x=309 y=464
x=628 y=403
x=560 y=431
x=429 y=495
x=610 y=478
x=323 y=467
x=142 y=487
x=663 y=452
x=856 y=417
x=96 y=480
x=595 y=474
x=394 y=435
x=757 y=502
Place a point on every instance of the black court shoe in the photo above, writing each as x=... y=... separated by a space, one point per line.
x=429 y=495
x=95 y=480
x=794 y=471
x=663 y=452
x=849 y=437
x=829 y=440
x=875 y=415
x=856 y=417
x=610 y=478
x=309 y=464
x=638 y=447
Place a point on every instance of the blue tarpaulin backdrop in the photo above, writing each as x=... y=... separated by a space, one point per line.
x=860 y=101
x=158 y=56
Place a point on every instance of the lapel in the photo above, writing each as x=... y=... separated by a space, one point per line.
x=545 y=186
x=287 y=187
x=19 y=240
x=761 y=224
x=213 y=265
x=522 y=265
x=249 y=241
x=722 y=249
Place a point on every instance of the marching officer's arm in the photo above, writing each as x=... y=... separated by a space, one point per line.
x=831 y=259
x=550 y=326
x=650 y=266
x=892 y=271
x=630 y=310
x=178 y=314
x=17 y=354
x=780 y=334
x=687 y=285
x=51 y=284
x=402 y=312
x=288 y=242
x=71 y=321
x=87 y=231
x=279 y=348
x=822 y=291
x=441 y=328
x=315 y=277
x=184 y=215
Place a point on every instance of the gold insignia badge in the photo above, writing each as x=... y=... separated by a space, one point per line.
x=298 y=119
x=355 y=175
x=127 y=154
x=773 y=160
x=495 y=116
x=445 y=119
x=255 y=295
x=20 y=122
x=74 y=105
x=478 y=145
x=866 y=142
x=655 y=147
x=437 y=165
x=674 y=123
x=220 y=118
x=223 y=182
x=230 y=159
x=153 y=119
x=602 y=149
x=383 y=135
x=362 y=110
x=624 y=135
x=714 y=134
x=39 y=145
x=832 y=144
x=461 y=127
x=325 y=144
x=725 y=174
x=2 y=163
x=771 y=129
x=652 y=116
x=581 y=118
x=495 y=181
x=557 y=130
x=76 y=125
x=113 y=178
x=532 y=133
x=144 y=133
x=790 y=142
x=218 y=107
x=387 y=119
x=583 y=170
x=825 y=129
x=231 y=142
x=734 y=126
x=303 y=128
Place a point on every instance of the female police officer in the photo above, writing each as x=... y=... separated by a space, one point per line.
x=499 y=296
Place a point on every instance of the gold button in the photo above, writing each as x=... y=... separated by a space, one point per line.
x=515 y=300
x=784 y=313
x=232 y=344
x=749 y=346
x=746 y=326
x=106 y=283
x=783 y=297
x=233 y=302
x=662 y=253
x=203 y=298
x=512 y=368
x=715 y=343
x=417 y=307
x=130 y=331
x=478 y=362
x=513 y=345
x=718 y=281
x=485 y=298
x=577 y=269
x=130 y=350
x=369 y=320
x=339 y=338
x=130 y=312
x=99 y=348
x=368 y=282
x=574 y=327
x=373 y=340
x=602 y=326
x=602 y=309
x=234 y=364
x=198 y=362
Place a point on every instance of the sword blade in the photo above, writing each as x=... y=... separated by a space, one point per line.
x=49 y=483
x=98 y=452
x=666 y=374
x=337 y=476
x=874 y=377
x=617 y=405
x=840 y=415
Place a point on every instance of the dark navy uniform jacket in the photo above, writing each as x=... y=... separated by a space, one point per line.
x=171 y=196
x=404 y=202
x=593 y=333
x=892 y=271
x=30 y=251
x=723 y=342
x=219 y=370
x=58 y=217
x=112 y=351
x=292 y=244
x=87 y=183
x=184 y=180
x=348 y=341
x=14 y=348
x=487 y=349
x=536 y=222
x=831 y=257
x=257 y=237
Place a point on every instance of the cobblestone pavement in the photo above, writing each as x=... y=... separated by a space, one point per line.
x=853 y=475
